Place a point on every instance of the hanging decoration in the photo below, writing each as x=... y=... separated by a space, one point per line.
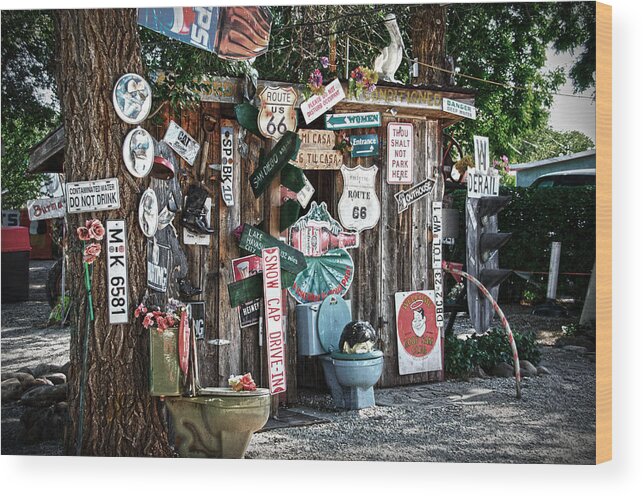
x=92 y=196
x=364 y=145
x=357 y=120
x=148 y=213
x=389 y=60
x=399 y=146
x=319 y=104
x=132 y=98
x=247 y=116
x=408 y=197
x=158 y=265
x=89 y=234
x=277 y=112
x=317 y=150
x=196 y=311
x=227 y=166
x=270 y=165
x=254 y=240
x=436 y=261
x=138 y=152
x=359 y=207
x=181 y=142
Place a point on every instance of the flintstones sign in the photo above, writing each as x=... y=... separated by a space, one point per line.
x=359 y=207
x=277 y=112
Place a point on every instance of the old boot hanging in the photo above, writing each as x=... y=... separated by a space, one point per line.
x=193 y=217
x=186 y=288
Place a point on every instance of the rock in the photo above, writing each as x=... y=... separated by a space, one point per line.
x=65 y=369
x=26 y=380
x=44 y=424
x=45 y=395
x=575 y=349
x=503 y=369
x=42 y=381
x=7 y=375
x=583 y=341
x=527 y=369
x=56 y=378
x=542 y=370
x=11 y=389
x=45 y=368
x=27 y=370
x=478 y=371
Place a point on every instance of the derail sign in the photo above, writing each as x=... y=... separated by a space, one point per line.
x=272 y=297
x=93 y=196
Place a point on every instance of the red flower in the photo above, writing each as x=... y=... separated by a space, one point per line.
x=96 y=229
x=83 y=234
x=140 y=310
x=91 y=253
x=161 y=322
x=148 y=320
x=170 y=320
x=248 y=383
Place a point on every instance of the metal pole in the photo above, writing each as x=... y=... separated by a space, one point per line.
x=348 y=52
x=554 y=262
x=63 y=274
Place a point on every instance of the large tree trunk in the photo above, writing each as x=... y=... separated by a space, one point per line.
x=428 y=41
x=94 y=48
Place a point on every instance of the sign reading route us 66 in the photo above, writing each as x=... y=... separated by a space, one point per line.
x=359 y=207
x=277 y=113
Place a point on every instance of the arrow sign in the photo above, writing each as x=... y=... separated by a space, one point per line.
x=366 y=145
x=285 y=149
x=254 y=240
x=353 y=121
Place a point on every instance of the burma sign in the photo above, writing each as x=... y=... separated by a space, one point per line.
x=46 y=208
x=319 y=104
x=366 y=145
x=227 y=166
x=277 y=112
x=93 y=196
x=117 y=294
x=242 y=268
x=436 y=262
x=408 y=197
x=273 y=305
x=353 y=121
x=399 y=137
x=418 y=337
x=254 y=240
x=284 y=150
x=482 y=181
x=359 y=207
x=181 y=142
x=459 y=108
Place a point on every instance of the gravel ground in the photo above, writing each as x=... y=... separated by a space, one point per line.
x=479 y=420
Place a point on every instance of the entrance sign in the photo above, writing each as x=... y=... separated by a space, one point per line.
x=46 y=208
x=284 y=150
x=359 y=207
x=418 y=337
x=255 y=240
x=93 y=196
x=196 y=310
x=365 y=145
x=181 y=142
x=272 y=297
x=319 y=104
x=353 y=121
x=408 y=197
x=399 y=137
x=459 y=108
x=158 y=263
x=436 y=262
x=311 y=159
x=227 y=166
x=277 y=112
x=117 y=288
x=481 y=153
x=243 y=268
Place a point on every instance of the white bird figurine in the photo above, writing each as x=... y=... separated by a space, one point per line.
x=387 y=62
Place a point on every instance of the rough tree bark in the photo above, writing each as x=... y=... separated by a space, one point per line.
x=428 y=41
x=94 y=48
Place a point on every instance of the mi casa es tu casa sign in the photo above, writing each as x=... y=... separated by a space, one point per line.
x=272 y=297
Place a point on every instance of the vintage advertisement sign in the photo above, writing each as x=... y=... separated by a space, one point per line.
x=242 y=268
x=359 y=206
x=46 y=208
x=93 y=196
x=365 y=145
x=353 y=121
x=272 y=297
x=317 y=105
x=436 y=262
x=181 y=142
x=459 y=108
x=254 y=240
x=284 y=150
x=158 y=264
x=117 y=288
x=190 y=238
x=399 y=144
x=418 y=337
x=409 y=196
x=227 y=166
x=312 y=159
x=277 y=112
x=196 y=311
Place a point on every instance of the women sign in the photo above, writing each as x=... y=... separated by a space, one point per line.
x=418 y=337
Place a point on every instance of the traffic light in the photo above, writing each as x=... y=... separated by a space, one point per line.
x=483 y=243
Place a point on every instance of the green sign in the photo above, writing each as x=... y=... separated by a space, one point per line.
x=353 y=121
x=253 y=240
x=251 y=288
x=365 y=145
x=285 y=149
x=246 y=114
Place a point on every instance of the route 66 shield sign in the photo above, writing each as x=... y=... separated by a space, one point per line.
x=277 y=112
x=359 y=207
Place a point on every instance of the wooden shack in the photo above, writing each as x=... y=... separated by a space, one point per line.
x=393 y=256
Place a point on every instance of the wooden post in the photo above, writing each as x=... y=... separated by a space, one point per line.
x=554 y=262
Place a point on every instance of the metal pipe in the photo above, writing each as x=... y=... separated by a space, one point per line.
x=554 y=263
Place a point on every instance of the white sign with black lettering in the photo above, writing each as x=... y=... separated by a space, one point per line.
x=93 y=196
x=197 y=317
x=481 y=153
x=436 y=262
x=117 y=288
x=359 y=206
x=181 y=142
x=227 y=166
x=479 y=185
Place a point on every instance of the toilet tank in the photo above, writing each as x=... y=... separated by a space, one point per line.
x=308 y=343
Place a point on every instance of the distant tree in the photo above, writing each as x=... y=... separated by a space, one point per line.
x=546 y=143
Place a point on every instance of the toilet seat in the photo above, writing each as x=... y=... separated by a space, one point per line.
x=334 y=313
x=222 y=391
x=338 y=355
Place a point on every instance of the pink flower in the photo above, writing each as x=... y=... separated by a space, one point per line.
x=91 y=253
x=170 y=320
x=83 y=234
x=148 y=320
x=161 y=322
x=96 y=229
x=140 y=310
x=324 y=62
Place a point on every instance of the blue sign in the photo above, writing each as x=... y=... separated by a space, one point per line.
x=352 y=121
x=365 y=145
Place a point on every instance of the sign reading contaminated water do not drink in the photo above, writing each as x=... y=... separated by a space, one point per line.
x=273 y=304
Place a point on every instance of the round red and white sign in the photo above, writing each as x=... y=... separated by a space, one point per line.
x=416 y=326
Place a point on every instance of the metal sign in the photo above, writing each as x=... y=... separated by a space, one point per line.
x=408 y=197
x=197 y=318
x=353 y=121
x=481 y=153
x=269 y=166
x=190 y=238
x=311 y=159
x=11 y=218
x=254 y=240
x=117 y=287
x=359 y=207
x=317 y=139
x=93 y=196
x=242 y=268
x=138 y=152
x=158 y=263
x=436 y=262
x=277 y=112
x=479 y=185
x=458 y=108
x=365 y=145
x=132 y=98
x=227 y=166
x=319 y=104
x=418 y=337
x=399 y=141
x=46 y=208
x=181 y=142
x=148 y=213
x=272 y=297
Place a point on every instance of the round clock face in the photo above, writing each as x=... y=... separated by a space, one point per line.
x=132 y=98
x=138 y=152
